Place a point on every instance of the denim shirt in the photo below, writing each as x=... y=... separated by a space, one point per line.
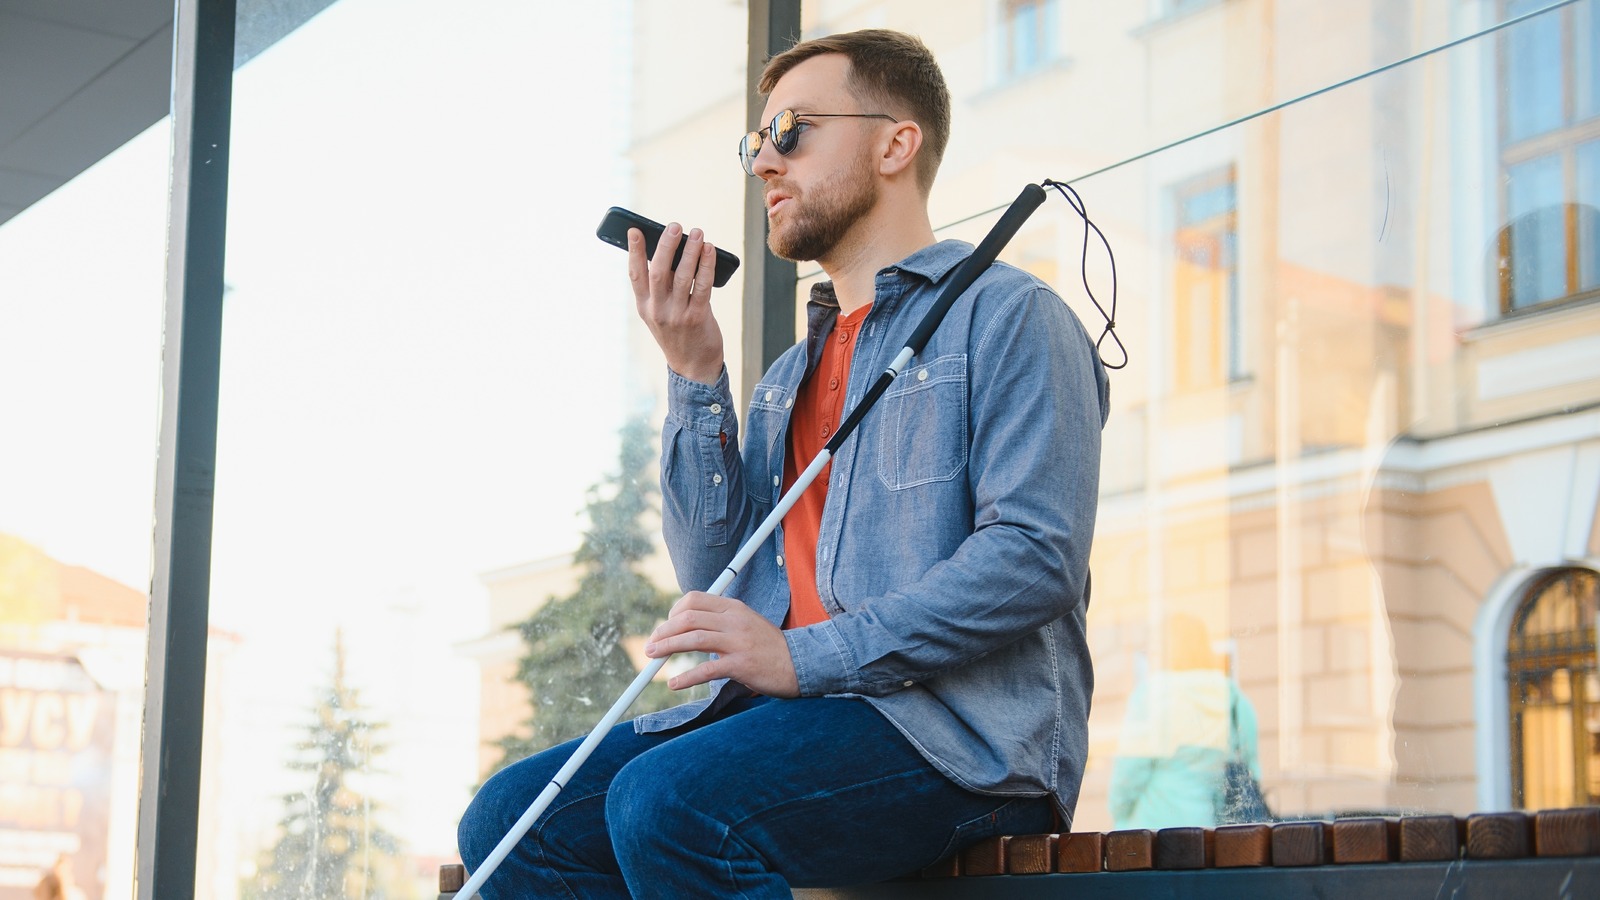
x=954 y=541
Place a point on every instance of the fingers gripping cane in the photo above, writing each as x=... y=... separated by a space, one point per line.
x=969 y=270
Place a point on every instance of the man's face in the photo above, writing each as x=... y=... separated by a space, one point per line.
x=818 y=192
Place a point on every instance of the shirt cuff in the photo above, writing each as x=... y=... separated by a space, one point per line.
x=822 y=663
x=700 y=407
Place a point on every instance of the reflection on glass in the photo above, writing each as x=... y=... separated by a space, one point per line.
x=80 y=349
x=1533 y=73
x=1363 y=336
x=1186 y=720
x=1207 y=282
x=1550 y=660
x=1588 y=214
x=1031 y=35
x=1586 y=60
x=423 y=373
x=1548 y=251
x=1536 y=240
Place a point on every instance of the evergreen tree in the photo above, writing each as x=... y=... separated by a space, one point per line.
x=330 y=846
x=575 y=665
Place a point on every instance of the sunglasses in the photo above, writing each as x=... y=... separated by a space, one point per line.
x=785 y=133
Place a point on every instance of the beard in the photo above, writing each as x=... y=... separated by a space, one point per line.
x=831 y=209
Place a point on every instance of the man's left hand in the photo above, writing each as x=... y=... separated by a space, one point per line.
x=750 y=650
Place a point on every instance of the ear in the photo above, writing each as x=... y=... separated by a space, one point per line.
x=900 y=153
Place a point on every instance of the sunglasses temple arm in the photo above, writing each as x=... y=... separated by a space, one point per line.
x=963 y=277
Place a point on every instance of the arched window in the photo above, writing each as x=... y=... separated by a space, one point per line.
x=1555 y=692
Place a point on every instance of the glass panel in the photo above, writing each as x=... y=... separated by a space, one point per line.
x=1588 y=215
x=1538 y=231
x=1586 y=61
x=1534 y=90
x=1315 y=516
x=1547 y=750
x=1025 y=37
x=428 y=362
x=1122 y=53
x=403 y=459
x=1591 y=736
x=80 y=353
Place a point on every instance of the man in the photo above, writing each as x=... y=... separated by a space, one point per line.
x=904 y=671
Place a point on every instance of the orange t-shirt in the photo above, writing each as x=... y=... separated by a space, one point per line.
x=818 y=408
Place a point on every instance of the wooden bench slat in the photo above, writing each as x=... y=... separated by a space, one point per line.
x=1081 y=851
x=1365 y=840
x=1031 y=854
x=986 y=857
x=1131 y=850
x=1567 y=832
x=1507 y=835
x=1239 y=846
x=1184 y=848
x=1299 y=844
x=1431 y=838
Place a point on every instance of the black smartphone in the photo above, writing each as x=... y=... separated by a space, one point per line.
x=614 y=230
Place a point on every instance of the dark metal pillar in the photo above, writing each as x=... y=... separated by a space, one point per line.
x=169 y=796
x=769 y=282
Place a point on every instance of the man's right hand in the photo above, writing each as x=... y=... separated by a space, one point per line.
x=675 y=304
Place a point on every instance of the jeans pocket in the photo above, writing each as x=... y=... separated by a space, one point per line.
x=966 y=834
x=1024 y=815
x=922 y=435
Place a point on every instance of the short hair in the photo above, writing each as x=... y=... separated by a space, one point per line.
x=886 y=68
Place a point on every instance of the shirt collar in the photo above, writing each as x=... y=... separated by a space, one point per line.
x=935 y=261
x=932 y=262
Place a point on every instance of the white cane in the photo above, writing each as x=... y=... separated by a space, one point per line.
x=969 y=270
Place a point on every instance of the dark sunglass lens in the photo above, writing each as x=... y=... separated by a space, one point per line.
x=785 y=132
x=749 y=148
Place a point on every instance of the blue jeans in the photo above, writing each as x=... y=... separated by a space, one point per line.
x=812 y=792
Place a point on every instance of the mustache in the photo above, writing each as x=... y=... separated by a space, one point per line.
x=781 y=187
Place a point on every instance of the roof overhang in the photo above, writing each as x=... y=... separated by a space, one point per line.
x=80 y=78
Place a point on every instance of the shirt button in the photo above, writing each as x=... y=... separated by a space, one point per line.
x=833 y=383
x=843 y=338
x=716 y=409
x=716 y=479
x=907 y=683
x=776 y=481
x=780 y=560
x=788 y=403
x=923 y=375
x=824 y=431
x=769 y=396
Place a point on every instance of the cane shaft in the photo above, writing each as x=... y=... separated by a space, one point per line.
x=963 y=277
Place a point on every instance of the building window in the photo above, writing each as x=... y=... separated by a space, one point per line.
x=1029 y=36
x=1178 y=7
x=1206 y=290
x=1549 y=250
x=1555 y=693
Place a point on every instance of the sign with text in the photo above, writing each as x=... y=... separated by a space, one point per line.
x=56 y=733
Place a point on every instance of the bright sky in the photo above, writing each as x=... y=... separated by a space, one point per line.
x=423 y=363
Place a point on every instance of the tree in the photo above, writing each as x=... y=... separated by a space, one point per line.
x=330 y=845
x=575 y=664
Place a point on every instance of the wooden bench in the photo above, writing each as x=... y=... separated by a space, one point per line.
x=1553 y=853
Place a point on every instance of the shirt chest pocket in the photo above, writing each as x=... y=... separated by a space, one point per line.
x=770 y=406
x=922 y=429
